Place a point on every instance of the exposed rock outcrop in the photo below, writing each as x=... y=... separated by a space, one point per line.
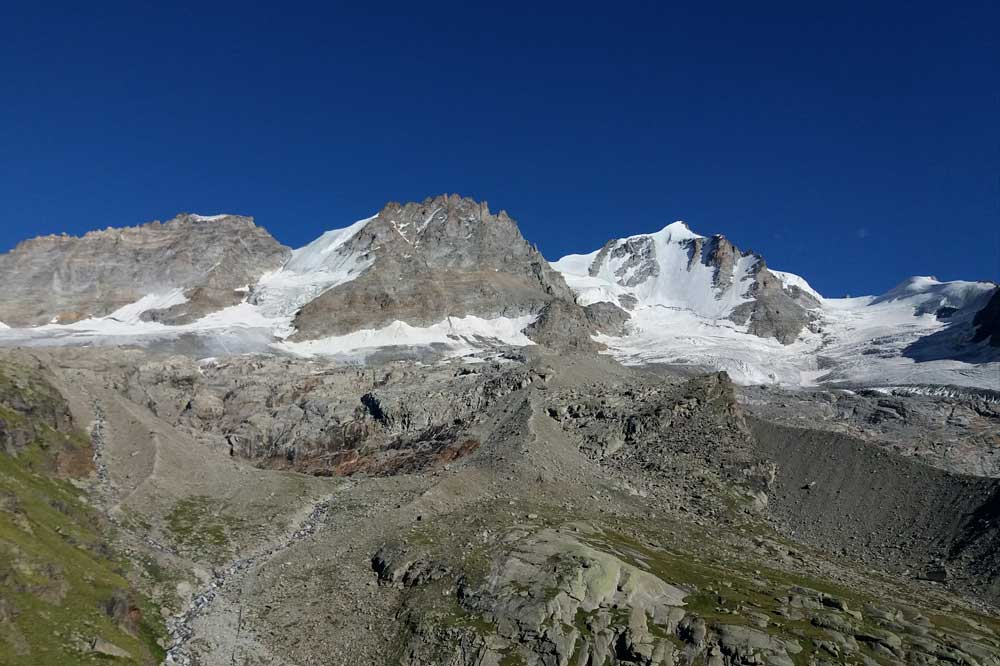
x=607 y=318
x=65 y=278
x=556 y=596
x=448 y=256
x=775 y=310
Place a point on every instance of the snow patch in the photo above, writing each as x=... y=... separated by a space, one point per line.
x=321 y=265
x=127 y=316
x=793 y=280
x=209 y=218
x=458 y=335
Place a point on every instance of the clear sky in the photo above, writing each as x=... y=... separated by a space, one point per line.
x=852 y=143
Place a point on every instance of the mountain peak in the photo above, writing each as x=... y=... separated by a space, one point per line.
x=710 y=279
x=677 y=231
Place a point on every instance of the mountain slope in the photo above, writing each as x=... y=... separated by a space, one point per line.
x=425 y=262
x=66 y=592
x=445 y=276
x=63 y=279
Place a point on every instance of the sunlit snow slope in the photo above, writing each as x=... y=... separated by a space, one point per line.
x=659 y=271
x=680 y=307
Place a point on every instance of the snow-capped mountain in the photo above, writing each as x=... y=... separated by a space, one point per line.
x=446 y=275
x=443 y=274
x=676 y=269
x=701 y=302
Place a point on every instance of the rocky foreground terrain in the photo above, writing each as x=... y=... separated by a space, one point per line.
x=415 y=442
x=534 y=508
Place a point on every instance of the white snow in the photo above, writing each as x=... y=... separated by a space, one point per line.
x=929 y=294
x=3 y=325
x=321 y=265
x=680 y=318
x=209 y=218
x=793 y=280
x=860 y=341
x=314 y=255
x=130 y=314
x=458 y=335
x=682 y=283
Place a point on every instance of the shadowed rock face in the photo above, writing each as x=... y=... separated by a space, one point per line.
x=987 y=321
x=66 y=278
x=446 y=257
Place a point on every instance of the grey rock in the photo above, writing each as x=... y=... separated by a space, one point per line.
x=448 y=256
x=607 y=318
x=107 y=649
x=66 y=278
x=774 y=311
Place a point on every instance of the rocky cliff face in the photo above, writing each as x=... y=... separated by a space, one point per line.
x=62 y=279
x=448 y=256
x=775 y=310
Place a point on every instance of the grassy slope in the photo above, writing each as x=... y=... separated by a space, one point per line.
x=58 y=570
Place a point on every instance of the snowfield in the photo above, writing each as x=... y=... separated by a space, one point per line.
x=323 y=264
x=680 y=283
x=455 y=336
x=679 y=318
x=857 y=341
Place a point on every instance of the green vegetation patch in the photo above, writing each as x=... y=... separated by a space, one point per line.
x=200 y=525
x=61 y=583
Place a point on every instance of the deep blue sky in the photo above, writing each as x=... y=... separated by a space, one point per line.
x=855 y=144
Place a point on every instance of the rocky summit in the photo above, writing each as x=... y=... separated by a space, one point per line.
x=415 y=441
x=445 y=257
